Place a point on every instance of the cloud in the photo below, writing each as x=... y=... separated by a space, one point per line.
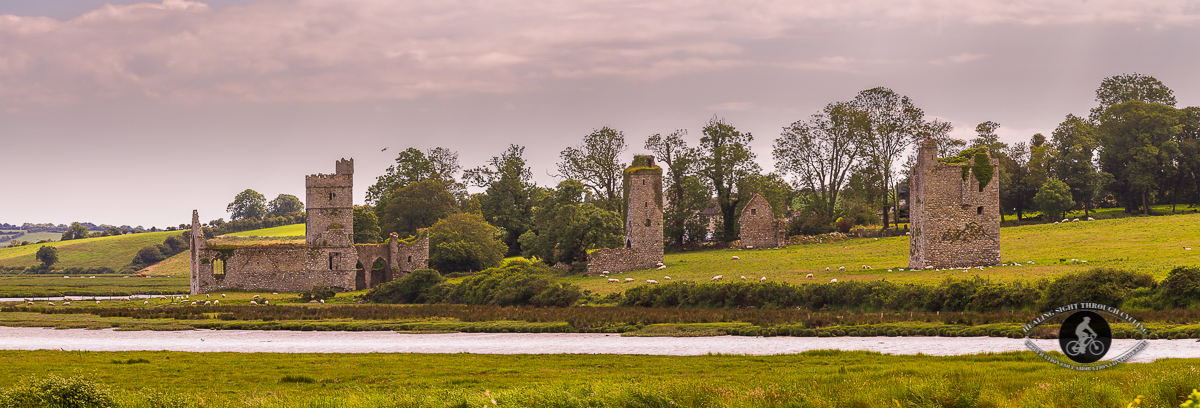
x=730 y=107
x=349 y=50
x=957 y=59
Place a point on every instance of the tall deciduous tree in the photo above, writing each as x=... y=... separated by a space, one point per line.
x=247 y=204
x=1119 y=89
x=366 y=226
x=416 y=206
x=1138 y=147
x=895 y=124
x=1074 y=144
x=822 y=151
x=412 y=166
x=686 y=194
x=1054 y=199
x=464 y=242
x=284 y=204
x=47 y=255
x=724 y=158
x=595 y=163
x=1017 y=194
x=507 y=202
x=565 y=227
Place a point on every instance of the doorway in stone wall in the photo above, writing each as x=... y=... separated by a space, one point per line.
x=380 y=272
x=360 y=277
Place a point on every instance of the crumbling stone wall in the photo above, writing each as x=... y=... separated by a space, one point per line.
x=643 y=222
x=328 y=258
x=955 y=222
x=758 y=226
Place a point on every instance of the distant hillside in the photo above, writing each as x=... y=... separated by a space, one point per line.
x=294 y=230
x=113 y=252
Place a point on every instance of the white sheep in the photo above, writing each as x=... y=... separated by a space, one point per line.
x=66 y=303
x=193 y=303
x=266 y=302
x=97 y=302
x=145 y=302
x=717 y=278
x=735 y=257
x=274 y=293
x=255 y=296
x=889 y=270
x=253 y=303
x=743 y=277
x=809 y=276
x=651 y=281
x=611 y=280
x=1075 y=220
x=1091 y=219
x=762 y=279
x=322 y=301
x=206 y=295
x=667 y=277
x=629 y=279
x=222 y=295
x=49 y=303
x=208 y=303
x=826 y=269
x=662 y=267
x=658 y=264
x=841 y=269
x=929 y=268
x=834 y=280
x=604 y=272
x=125 y=299
x=1065 y=220
x=217 y=302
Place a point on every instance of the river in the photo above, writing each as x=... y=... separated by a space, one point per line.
x=258 y=341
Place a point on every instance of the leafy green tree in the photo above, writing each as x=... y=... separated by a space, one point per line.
x=246 y=205
x=895 y=125
x=75 y=231
x=416 y=206
x=1138 y=147
x=366 y=226
x=283 y=205
x=686 y=194
x=772 y=187
x=507 y=203
x=724 y=158
x=148 y=255
x=1119 y=89
x=465 y=242
x=596 y=164
x=47 y=255
x=1074 y=144
x=1018 y=192
x=565 y=227
x=1186 y=183
x=412 y=166
x=1054 y=199
x=823 y=151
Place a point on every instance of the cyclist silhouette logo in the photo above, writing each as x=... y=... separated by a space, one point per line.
x=1085 y=337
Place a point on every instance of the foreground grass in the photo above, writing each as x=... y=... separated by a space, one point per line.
x=1145 y=244
x=112 y=252
x=816 y=379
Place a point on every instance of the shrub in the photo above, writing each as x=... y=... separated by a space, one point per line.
x=465 y=242
x=317 y=293
x=519 y=282
x=297 y=379
x=1106 y=286
x=811 y=223
x=55 y=391
x=1181 y=288
x=844 y=224
x=417 y=287
x=148 y=255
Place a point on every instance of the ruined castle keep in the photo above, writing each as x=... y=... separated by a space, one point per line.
x=643 y=223
x=328 y=257
x=758 y=226
x=954 y=211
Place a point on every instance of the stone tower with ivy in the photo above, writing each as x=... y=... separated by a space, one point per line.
x=954 y=210
x=642 y=247
x=330 y=204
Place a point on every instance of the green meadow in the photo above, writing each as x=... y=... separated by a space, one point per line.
x=113 y=252
x=293 y=230
x=809 y=379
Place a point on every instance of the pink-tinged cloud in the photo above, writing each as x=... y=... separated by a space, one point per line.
x=957 y=59
x=350 y=50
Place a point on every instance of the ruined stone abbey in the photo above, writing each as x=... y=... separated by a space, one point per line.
x=643 y=223
x=954 y=211
x=329 y=257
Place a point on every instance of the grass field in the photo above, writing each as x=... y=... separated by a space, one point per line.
x=112 y=252
x=809 y=379
x=294 y=230
x=102 y=285
x=1145 y=244
x=37 y=236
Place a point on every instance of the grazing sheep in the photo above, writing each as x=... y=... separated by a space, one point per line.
x=658 y=264
x=1075 y=220
x=66 y=303
x=193 y=303
x=651 y=281
x=145 y=302
x=889 y=270
x=216 y=302
x=255 y=296
x=253 y=303
x=809 y=276
x=834 y=280
x=667 y=277
x=322 y=301
x=629 y=279
x=31 y=303
x=124 y=299
x=66 y=277
x=266 y=302
x=928 y=268
x=762 y=279
x=27 y=300
x=735 y=257
x=662 y=267
x=611 y=280
x=1187 y=249
x=49 y=303
x=604 y=272
x=1065 y=220
x=841 y=269
x=826 y=269
x=208 y=303
x=717 y=278
x=743 y=277
x=1056 y=223
x=313 y=301
x=1091 y=219
x=206 y=295
x=274 y=293
x=97 y=302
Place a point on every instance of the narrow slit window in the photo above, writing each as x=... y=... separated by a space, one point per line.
x=332 y=255
x=410 y=258
x=330 y=196
x=753 y=211
x=979 y=210
x=647 y=222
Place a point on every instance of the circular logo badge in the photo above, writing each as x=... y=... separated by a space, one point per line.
x=1085 y=337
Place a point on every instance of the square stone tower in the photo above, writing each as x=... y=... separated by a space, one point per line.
x=954 y=211
x=330 y=202
x=644 y=214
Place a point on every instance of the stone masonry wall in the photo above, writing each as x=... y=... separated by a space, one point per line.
x=617 y=260
x=953 y=223
x=758 y=226
x=329 y=199
x=282 y=268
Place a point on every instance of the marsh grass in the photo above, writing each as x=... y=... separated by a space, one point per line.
x=809 y=379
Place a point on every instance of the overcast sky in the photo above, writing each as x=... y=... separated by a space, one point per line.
x=137 y=113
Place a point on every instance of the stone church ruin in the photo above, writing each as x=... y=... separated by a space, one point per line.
x=328 y=257
x=643 y=223
x=758 y=226
x=954 y=211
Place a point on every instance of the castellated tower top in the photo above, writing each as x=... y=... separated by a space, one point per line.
x=344 y=166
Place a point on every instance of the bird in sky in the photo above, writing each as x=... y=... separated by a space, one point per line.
x=384 y=149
